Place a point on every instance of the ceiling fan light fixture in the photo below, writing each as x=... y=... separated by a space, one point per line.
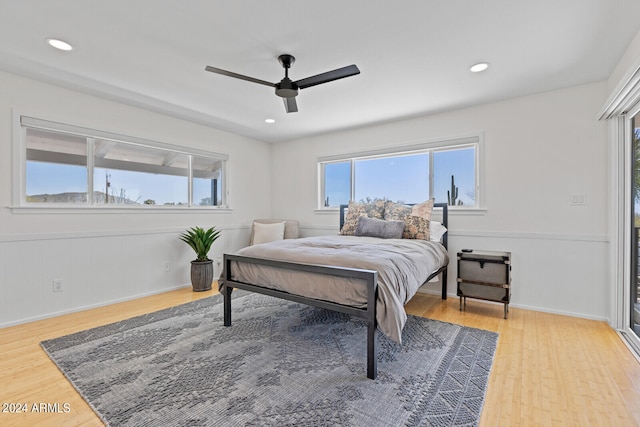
x=480 y=66
x=286 y=88
x=59 y=44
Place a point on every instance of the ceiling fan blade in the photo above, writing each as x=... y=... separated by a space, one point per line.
x=290 y=105
x=238 y=76
x=329 y=76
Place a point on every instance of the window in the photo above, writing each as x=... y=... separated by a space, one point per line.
x=56 y=167
x=69 y=165
x=400 y=178
x=455 y=168
x=444 y=170
x=337 y=183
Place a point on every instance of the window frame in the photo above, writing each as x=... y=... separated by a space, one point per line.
x=430 y=146
x=21 y=122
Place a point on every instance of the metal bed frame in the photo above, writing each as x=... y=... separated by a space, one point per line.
x=369 y=276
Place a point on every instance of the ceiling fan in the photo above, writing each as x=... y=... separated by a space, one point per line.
x=287 y=89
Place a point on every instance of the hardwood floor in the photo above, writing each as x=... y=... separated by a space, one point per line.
x=548 y=369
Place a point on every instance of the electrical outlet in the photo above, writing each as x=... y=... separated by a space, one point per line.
x=166 y=267
x=578 y=199
x=57 y=285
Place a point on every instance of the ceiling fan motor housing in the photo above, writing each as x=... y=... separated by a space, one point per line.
x=286 y=88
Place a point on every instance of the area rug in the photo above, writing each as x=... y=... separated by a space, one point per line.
x=280 y=363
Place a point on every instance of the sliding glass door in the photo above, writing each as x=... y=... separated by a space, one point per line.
x=634 y=280
x=622 y=111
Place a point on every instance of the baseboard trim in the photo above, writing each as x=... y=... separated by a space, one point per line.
x=90 y=306
x=524 y=307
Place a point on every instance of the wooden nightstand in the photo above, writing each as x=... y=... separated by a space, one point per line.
x=484 y=275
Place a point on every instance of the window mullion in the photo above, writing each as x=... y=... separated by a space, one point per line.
x=431 y=173
x=321 y=187
x=190 y=181
x=353 y=180
x=90 y=166
x=224 y=187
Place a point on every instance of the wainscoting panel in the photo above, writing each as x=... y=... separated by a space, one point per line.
x=23 y=289
x=562 y=274
x=96 y=268
x=551 y=273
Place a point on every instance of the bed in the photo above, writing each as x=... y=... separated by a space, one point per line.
x=367 y=277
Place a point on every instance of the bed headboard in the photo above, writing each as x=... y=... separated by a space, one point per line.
x=437 y=206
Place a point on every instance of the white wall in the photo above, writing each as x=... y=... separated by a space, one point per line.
x=106 y=257
x=539 y=150
x=628 y=63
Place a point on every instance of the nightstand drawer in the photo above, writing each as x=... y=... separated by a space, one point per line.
x=483 y=270
x=490 y=293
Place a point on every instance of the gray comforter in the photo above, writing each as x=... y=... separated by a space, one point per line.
x=403 y=265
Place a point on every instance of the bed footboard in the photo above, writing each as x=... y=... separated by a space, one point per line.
x=368 y=313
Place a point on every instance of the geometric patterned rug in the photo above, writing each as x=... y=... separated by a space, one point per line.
x=280 y=363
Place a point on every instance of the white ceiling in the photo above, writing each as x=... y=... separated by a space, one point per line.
x=414 y=55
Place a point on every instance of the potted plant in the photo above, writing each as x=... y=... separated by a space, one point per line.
x=201 y=240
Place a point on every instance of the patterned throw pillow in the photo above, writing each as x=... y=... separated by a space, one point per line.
x=416 y=227
x=376 y=209
x=396 y=211
x=423 y=209
x=356 y=210
x=416 y=218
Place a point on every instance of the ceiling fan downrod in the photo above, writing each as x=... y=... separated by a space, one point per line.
x=286 y=88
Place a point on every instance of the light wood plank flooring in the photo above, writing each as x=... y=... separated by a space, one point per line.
x=548 y=369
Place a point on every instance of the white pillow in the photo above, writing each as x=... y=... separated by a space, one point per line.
x=436 y=231
x=264 y=233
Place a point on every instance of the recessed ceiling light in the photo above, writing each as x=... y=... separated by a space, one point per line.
x=481 y=66
x=270 y=121
x=59 y=44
